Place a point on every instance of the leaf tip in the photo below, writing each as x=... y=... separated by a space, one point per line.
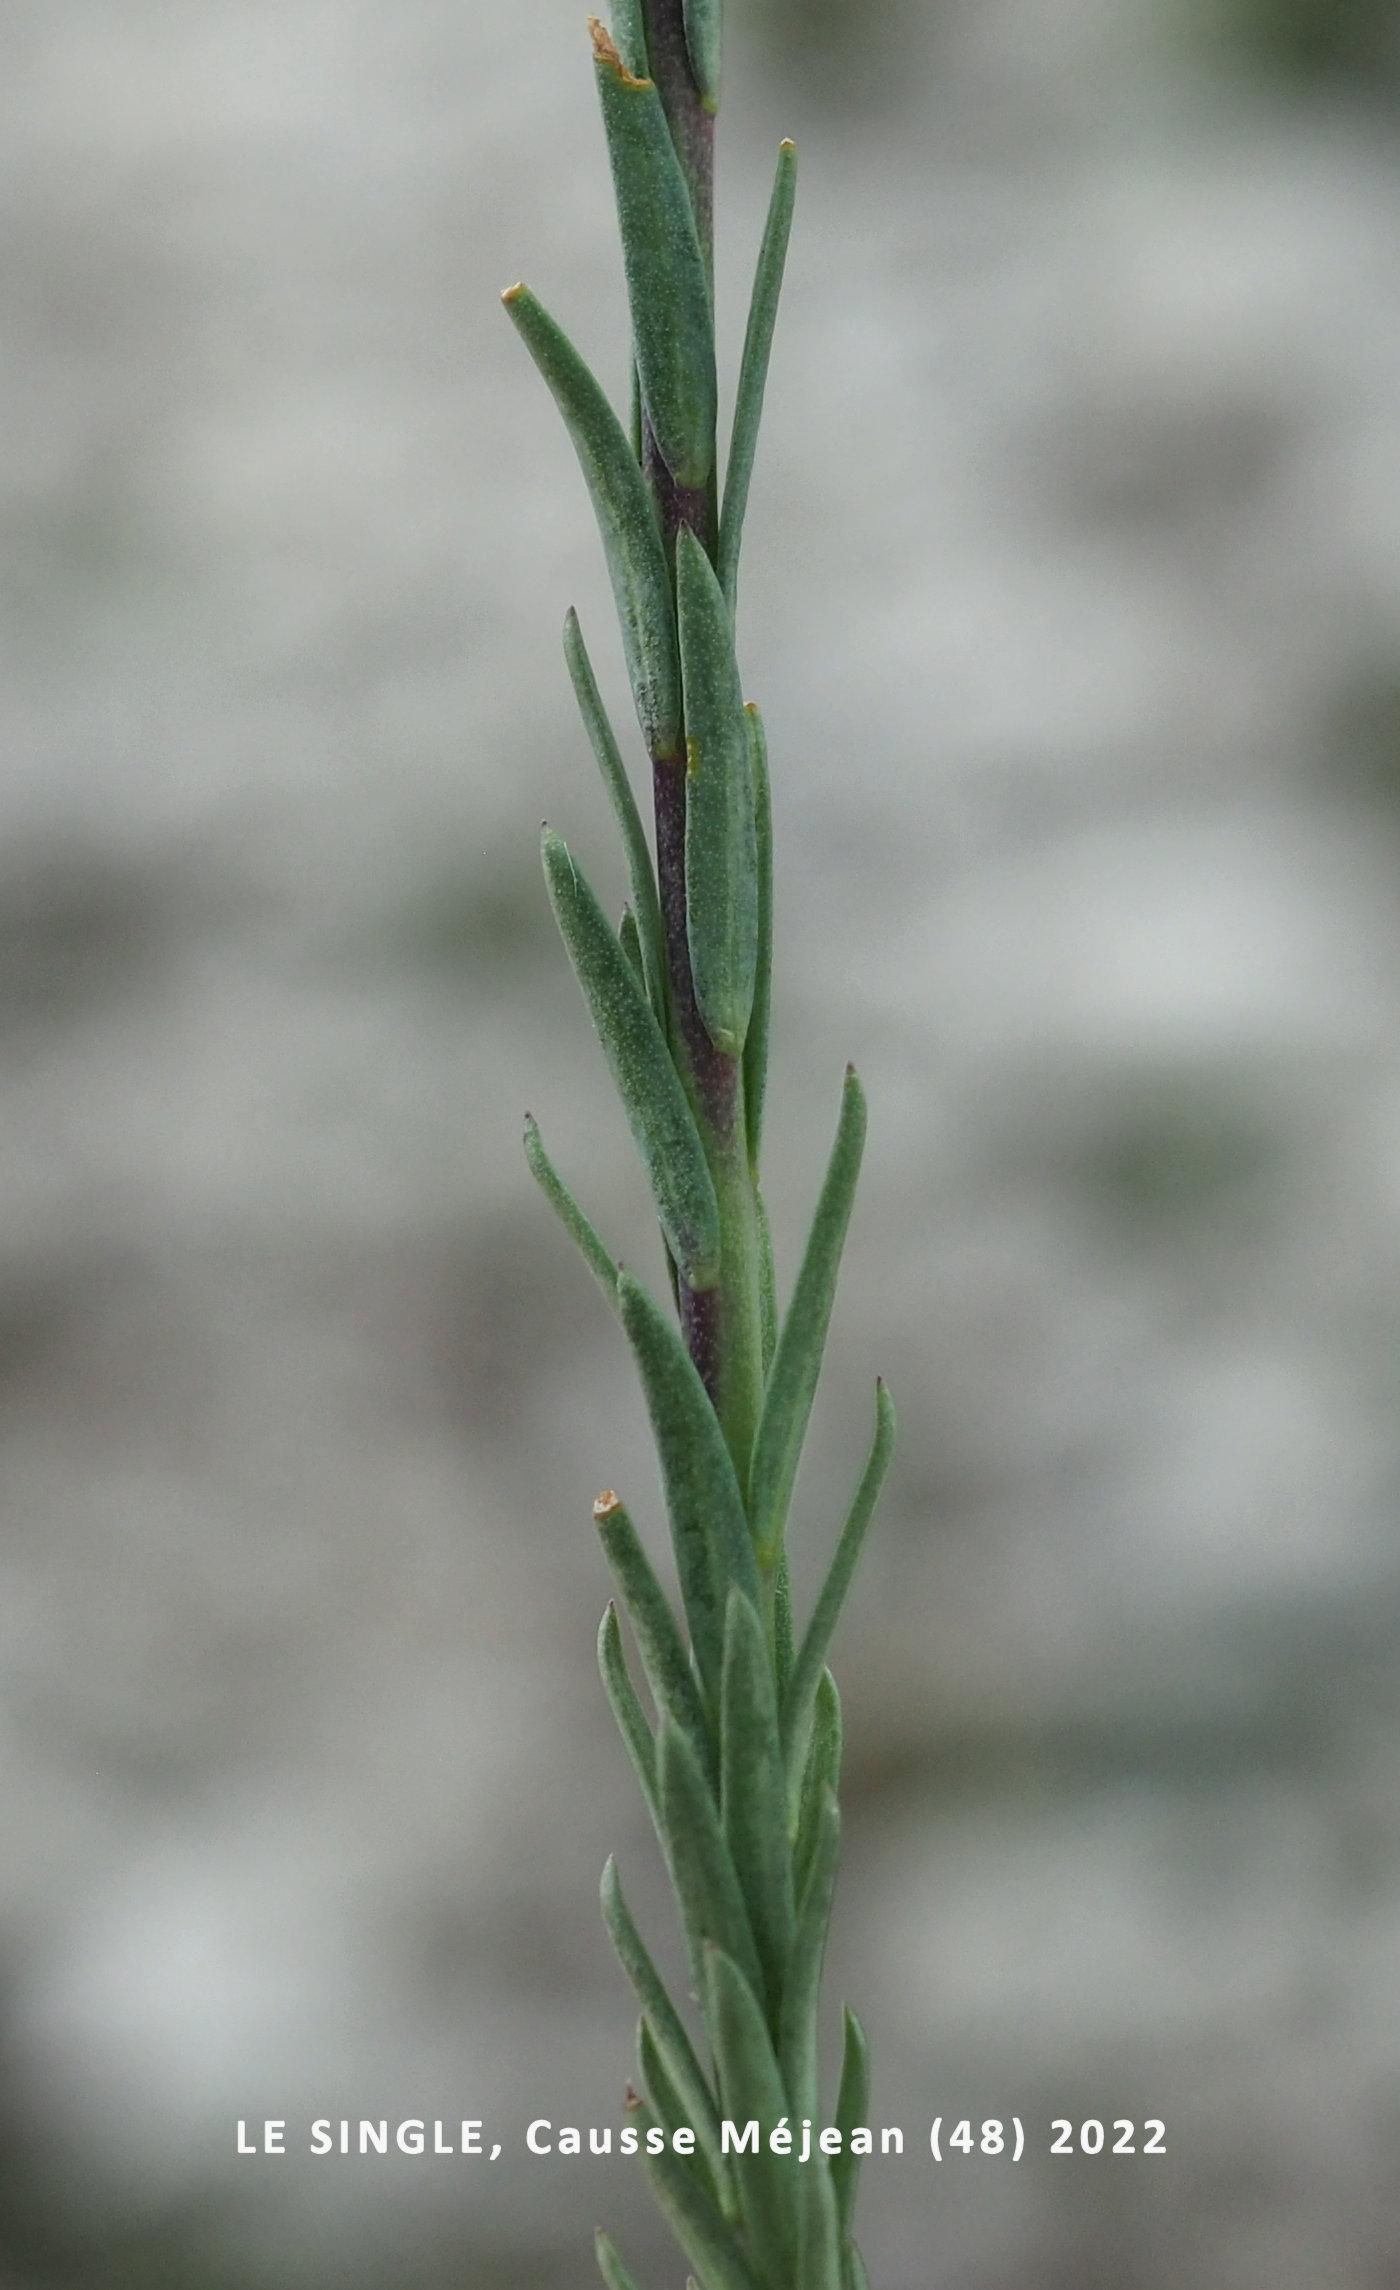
x=512 y=294
x=605 y=52
x=606 y=1504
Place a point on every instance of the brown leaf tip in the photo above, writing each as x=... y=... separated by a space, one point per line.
x=513 y=293
x=606 y=1504
x=605 y=52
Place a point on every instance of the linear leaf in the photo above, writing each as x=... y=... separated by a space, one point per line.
x=566 y=1208
x=646 y=907
x=665 y=2021
x=629 y=31
x=820 y=1778
x=721 y=837
x=797 y=2039
x=627 y=1709
x=768 y=1279
x=852 y=2108
x=627 y=520
x=792 y=1383
x=659 y=1642
x=610 y=2266
x=753 y=369
x=784 y=1650
x=821 y=2266
x=753 y=1798
x=694 y=2219
x=671 y=2111
x=668 y=292
x=709 y=1531
x=629 y=939
x=806 y=1676
x=666 y=2102
x=647 y=1081
x=706 y=1884
x=751 y=2086
x=756 y=1039
x=704 y=29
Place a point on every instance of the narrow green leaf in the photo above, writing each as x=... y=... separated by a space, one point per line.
x=706 y=1884
x=646 y=907
x=821 y=2266
x=667 y=290
x=626 y=516
x=751 y=2086
x=629 y=31
x=784 y=1649
x=610 y=2266
x=664 y=2020
x=721 y=836
x=820 y=1778
x=634 y=413
x=852 y=2109
x=806 y=1676
x=855 y=2277
x=659 y=1642
x=753 y=1796
x=627 y=1709
x=797 y=2038
x=753 y=369
x=631 y=944
x=709 y=1531
x=704 y=30
x=666 y=2102
x=671 y=2112
x=792 y=1384
x=694 y=2219
x=756 y=1039
x=768 y=1279
x=566 y=1208
x=647 y=1082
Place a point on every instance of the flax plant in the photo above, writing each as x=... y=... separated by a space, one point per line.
x=740 y=1760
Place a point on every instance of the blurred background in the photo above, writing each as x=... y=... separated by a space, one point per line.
x=1073 y=600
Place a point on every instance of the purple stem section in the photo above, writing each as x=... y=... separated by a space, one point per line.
x=714 y=1077
x=692 y=126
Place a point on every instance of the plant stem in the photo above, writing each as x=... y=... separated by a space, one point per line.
x=722 y=1325
x=692 y=124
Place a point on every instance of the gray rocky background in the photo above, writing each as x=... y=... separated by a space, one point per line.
x=1073 y=597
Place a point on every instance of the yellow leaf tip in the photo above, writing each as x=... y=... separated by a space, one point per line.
x=605 y=52
x=606 y=1504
